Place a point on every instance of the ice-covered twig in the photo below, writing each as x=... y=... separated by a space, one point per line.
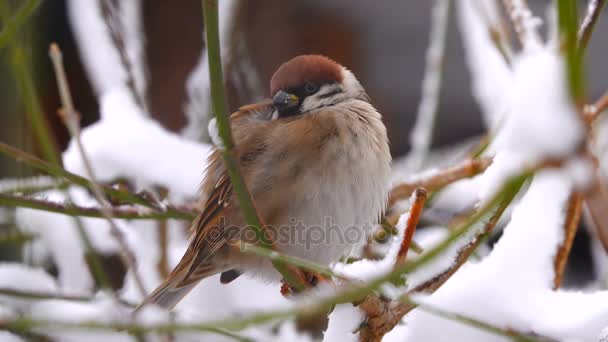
x=72 y=122
x=210 y=10
x=594 y=8
x=435 y=181
x=524 y=23
x=573 y=216
x=422 y=133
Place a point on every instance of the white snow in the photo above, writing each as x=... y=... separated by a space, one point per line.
x=512 y=287
x=542 y=122
x=525 y=101
x=490 y=74
x=6 y=336
x=102 y=310
x=124 y=143
x=343 y=323
x=15 y=276
x=99 y=53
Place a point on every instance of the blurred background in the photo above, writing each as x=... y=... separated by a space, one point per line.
x=384 y=43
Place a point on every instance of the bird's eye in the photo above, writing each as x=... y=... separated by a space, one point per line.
x=311 y=87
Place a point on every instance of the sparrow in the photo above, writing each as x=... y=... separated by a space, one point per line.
x=317 y=163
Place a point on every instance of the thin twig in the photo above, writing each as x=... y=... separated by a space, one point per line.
x=70 y=209
x=422 y=134
x=287 y=259
x=496 y=30
x=43 y=133
x=594 y=8
x=524 y=22
x=116 y=29
x=21 y=69
x=47 y=295
x=16 y=237
x=21 y=16
x=72 y=122
x=592 y=112
x=416 y=206
x=354 y=292
x=26 y=325
x=123 y=196
x=464 y=253
x=163 y=246
x=30 y=185
x=465 y=169
x=568 y=25
x=383 y=314
x=575 y=206
x=210 y=11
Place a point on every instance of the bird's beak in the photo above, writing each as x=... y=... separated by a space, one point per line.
x=284 y=101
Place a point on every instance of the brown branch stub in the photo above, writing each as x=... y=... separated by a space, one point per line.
x=416 y=207
x=575 y=205
x=465 y=169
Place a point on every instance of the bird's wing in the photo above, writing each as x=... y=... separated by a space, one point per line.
x=208 y=231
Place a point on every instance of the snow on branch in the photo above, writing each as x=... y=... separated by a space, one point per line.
x=110 y=39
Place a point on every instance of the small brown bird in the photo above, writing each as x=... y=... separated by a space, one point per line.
x=317 y=163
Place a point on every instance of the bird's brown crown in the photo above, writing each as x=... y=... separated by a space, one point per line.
x=305 y=68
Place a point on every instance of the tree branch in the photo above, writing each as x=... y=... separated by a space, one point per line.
x=418 y=199
x=465 y=169
x=121 y=196
x=122 y=212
